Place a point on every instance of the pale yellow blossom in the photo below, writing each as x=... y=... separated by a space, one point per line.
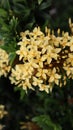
x=54 y=77
x=37 y=81
x=46 y=60
x=26 y=84
x=70 y=44
x=70 y=59
x=42 y=73
x=45 y=88
x=69 y=70
x=4 y=63
x=2 y=111
x=52 y=53
x=36 y=32
x=23 y=52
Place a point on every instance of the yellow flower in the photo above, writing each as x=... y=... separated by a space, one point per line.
x=69 y=70
x=70 y=59
x=32 y=54
x=65 y=39
x=23 y=52
x=4 y=63
x=39 y=62
x=52 y=53
x=2 y=111
x=42 y=73
x=24 y=34
x=37 y=81
x=70 y=44
x=54 y=77
x=36 y=32
x=45 y=88
x=26 y=84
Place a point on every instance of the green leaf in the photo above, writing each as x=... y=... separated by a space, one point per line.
x=41 y=118
x=18 y=7
x=22 y=94
x=3 y=13
x=46 y=123
x=5 y=28
x=14 y=22
x=45 y=5
x=5 y=4
x=29 y=25
x=40 y=1
x=8 y=48
x=26 y=13
x=46 y=16
x=12 y=57
x=16 y=88
x=15 y=1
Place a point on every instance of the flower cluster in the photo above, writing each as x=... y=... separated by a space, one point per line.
x=46 y=59
x=4 y=63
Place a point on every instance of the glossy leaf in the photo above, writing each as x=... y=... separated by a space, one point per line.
x=40 y=1
x=12 y=57
x=46 y=123
x=3 y=13
x=45 y=5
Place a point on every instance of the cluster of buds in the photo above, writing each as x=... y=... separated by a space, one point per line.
x=45 y=60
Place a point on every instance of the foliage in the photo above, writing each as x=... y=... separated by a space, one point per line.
x=58 y=105
x=62 y=12
x=25 y=12
x=45 y=123
x=18 y=15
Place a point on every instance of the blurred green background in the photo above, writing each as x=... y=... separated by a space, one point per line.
x=17 y=16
